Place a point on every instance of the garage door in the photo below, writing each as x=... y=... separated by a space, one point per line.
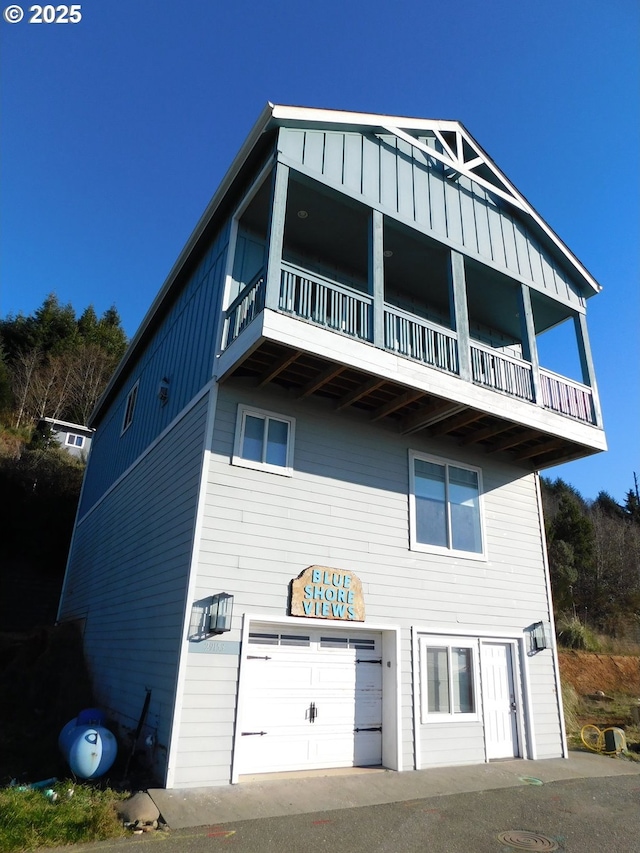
x=311 y=699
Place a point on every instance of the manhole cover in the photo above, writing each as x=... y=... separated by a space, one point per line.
x=527 y=841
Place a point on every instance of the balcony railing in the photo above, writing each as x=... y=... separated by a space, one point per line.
x=566 y=397
x=339 y=308
x=326 y=303
x=501 y=372
x=247 y=305
x=414 y=337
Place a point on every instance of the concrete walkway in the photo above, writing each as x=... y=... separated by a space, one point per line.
x=276 y=795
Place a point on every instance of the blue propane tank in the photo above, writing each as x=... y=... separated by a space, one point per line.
x=88 y=749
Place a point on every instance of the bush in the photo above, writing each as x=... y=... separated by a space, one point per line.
x=573 y=634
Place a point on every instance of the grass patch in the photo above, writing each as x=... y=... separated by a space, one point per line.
x=28 y=820
x=615 y=711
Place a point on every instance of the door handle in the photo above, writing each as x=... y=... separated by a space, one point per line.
x=513 y=706
x=311 y=712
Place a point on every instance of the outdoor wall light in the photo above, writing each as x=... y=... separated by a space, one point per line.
x=163 y=390
x=221 y=613
x=541 y=636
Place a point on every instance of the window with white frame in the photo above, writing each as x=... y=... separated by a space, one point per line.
x=264 y=440
x=445 y=511
x=449 y=679
x=75 y=440
x=130 y=407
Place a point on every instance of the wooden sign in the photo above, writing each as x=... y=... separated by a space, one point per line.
x=324 y=593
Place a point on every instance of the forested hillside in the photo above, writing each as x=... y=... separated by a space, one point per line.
x=594 y=558
x=56 y=364
x=52 y=364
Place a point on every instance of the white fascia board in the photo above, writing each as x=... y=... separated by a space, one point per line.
x=319 y=116
x=77 y=427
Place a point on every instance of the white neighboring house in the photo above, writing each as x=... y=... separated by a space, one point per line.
x=74 y=438
x=333 y=417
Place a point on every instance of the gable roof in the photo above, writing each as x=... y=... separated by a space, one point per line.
x=447 y=141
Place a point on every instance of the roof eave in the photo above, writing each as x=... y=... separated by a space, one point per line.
x=256 y=131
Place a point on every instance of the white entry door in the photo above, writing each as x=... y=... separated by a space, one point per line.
x=499 y=701
x=311 y=699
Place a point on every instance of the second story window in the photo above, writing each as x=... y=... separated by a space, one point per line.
x=445 y=507
x=75 y=440
x=264 y=440
x=130 y=407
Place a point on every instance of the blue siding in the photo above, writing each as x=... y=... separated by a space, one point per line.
x=391 y=174
x=183 y=350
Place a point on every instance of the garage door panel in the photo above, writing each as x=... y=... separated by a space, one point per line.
x=288 y=686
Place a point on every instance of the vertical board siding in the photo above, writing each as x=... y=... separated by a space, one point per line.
x=346 y=506
x=390 y=173
x=182 y=350
x=128 y=574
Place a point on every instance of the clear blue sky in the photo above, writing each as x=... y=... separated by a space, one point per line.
x=117 y=130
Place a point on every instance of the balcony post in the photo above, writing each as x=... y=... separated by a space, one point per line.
x=528 y=335
x=586 y=363
x=376 y=275
x=276 y=235
x=459 y=312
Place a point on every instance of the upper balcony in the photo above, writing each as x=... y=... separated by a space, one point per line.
x=331 y=297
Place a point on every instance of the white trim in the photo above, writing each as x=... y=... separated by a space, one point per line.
x=74 y=436
x=447 y=642
x=75 y=427
x=183 y=655
x=458 y=164
x=251 y=411
x=425 y=547
x=150 y=447
x=527 y=709
x=391 y=742
x=554 y=649
x=415 y=675
x=130 y=407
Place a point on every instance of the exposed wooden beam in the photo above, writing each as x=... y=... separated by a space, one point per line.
x=359 y=392
x=511 y=440
x=464 y=418
x=429 y=415
x=321 y=379
x=484 y=434
x=278 y=368
x=540 y=449
x=395 y=404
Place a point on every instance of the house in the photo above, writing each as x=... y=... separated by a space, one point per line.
x=74 y=438
x=311 y=529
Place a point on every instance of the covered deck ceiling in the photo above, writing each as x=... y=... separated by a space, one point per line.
x=411 y=410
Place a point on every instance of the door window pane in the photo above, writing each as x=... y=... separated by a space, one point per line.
x=437 y=681
x=462 y=681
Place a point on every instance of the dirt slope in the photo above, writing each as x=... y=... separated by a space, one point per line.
x=587 y=672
